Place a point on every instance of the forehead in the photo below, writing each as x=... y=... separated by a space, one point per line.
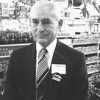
x=45 y=10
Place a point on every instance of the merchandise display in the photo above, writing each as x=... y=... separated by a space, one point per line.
x=94 y=86
x=13 y=37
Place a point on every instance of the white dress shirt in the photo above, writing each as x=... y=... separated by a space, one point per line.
x=50 y=50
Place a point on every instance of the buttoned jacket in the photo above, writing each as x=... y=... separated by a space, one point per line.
x=20 y=82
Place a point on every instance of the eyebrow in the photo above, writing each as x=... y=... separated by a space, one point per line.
x=35 y=19
x=44 y=19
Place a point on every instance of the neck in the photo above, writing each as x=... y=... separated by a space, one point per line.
x=44 y=45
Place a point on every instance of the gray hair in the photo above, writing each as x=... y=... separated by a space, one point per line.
x=50 y=6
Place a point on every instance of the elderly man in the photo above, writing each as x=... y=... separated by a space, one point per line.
x=47 y=69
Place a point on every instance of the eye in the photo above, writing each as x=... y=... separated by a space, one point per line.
x=35 y=22
x=46 y=22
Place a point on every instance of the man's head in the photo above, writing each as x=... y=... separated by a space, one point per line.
x=45 y=21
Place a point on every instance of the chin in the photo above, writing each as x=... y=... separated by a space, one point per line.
x=43 y=42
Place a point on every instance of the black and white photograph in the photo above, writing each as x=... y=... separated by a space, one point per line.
x=49 y=49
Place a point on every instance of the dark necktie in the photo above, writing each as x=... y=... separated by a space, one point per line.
x=41 y=73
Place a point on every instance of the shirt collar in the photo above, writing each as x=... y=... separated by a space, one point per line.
x=50 y=48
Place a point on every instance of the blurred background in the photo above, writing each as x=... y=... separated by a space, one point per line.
x=80 y=30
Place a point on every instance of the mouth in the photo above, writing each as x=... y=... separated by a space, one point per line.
x=42 y=36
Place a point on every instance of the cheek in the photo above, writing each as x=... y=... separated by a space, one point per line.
x=52 y=33
x=51 y=29
x=34 y=30
x=34 y=33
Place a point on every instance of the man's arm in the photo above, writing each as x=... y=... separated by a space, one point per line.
x=10 y=91
x=81 y=79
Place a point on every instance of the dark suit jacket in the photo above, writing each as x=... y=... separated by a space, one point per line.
x=20 y=82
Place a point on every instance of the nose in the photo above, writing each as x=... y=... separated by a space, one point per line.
x=40 y=27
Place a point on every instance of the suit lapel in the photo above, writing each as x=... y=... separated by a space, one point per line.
x=63 y=57
x=58 y=58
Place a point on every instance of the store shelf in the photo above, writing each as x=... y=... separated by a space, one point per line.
x=92 y=62
x=96 y=23
x=4 y=56
x=88 y=43
x=61 y=37
x=93 y=71
x=89 y=53
x=11 y=45
x=97 y=95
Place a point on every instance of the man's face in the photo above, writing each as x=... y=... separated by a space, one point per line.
x=44 y=26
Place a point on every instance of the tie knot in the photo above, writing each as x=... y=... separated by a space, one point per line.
x=43 y=52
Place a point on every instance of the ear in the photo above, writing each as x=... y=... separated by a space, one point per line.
x=60 y=23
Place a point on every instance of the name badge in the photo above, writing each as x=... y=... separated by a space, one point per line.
x=58 y=68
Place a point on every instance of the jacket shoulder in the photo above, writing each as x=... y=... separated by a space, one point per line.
x=69 y=50
x=23 y=50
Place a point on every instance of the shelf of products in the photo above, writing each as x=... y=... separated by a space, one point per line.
x=3 y=69
x=94 y=86
x=87 y=50
x=15 y=37
x=87 y=43
x=5 y=56
x=93 y=71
